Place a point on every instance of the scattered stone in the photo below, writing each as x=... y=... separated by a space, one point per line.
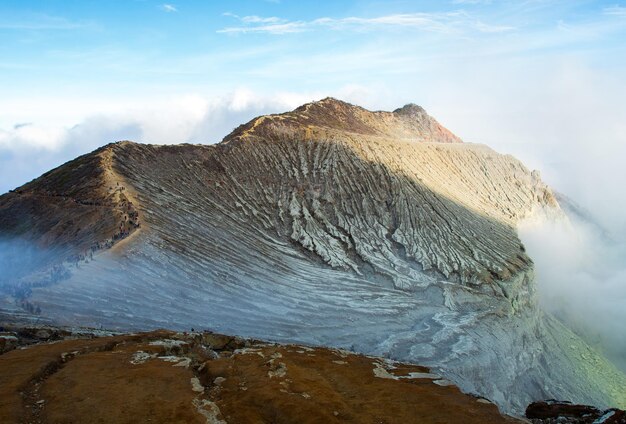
x=443 y=382
x=221 y=342
x=141 y=357
x=8 y=342
x=196 y=386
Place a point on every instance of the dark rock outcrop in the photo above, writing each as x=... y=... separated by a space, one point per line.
x=553 y=412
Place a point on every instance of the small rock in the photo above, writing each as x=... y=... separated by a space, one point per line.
x=196 y=386
x=7 y=342
x=42 y=334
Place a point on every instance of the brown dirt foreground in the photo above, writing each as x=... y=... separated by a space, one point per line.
x=167 y=377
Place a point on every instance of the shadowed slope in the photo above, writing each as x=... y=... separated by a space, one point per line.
x=355 y=206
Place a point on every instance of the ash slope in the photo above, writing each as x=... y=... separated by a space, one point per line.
x=329 y=225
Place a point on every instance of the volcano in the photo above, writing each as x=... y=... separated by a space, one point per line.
x=378 y=232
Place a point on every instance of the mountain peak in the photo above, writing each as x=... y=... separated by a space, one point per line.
x=330 y=101
x=326 y=107
x=331 y=118
x=410 y=109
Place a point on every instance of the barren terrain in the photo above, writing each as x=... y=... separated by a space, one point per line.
x=378 y=232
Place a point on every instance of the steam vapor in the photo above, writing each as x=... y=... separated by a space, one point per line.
x=581 y=279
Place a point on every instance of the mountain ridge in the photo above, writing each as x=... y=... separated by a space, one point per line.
x=325 y=117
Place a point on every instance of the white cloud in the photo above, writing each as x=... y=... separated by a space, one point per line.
x=168 y=8
x=445 y=22
x=29 y=150
x=482 y=27
x=30 y=135
x=277 y=29
x=615 y=10
x=257 y=19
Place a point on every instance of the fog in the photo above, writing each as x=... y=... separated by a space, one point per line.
x=14 y=259
x=18 y=258
x=581 y=278
x=567 y=119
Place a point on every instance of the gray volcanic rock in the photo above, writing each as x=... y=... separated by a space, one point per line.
x=331 y=225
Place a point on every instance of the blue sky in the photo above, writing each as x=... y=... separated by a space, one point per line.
x=104 y=48
x=543 y=80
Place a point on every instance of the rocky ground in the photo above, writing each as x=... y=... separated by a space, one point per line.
x=50 y=375
x=53 y=375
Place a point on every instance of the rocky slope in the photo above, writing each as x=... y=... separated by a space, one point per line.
x=329 y=225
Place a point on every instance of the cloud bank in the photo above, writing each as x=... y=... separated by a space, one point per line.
x=581 y=279
x=28 y=149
